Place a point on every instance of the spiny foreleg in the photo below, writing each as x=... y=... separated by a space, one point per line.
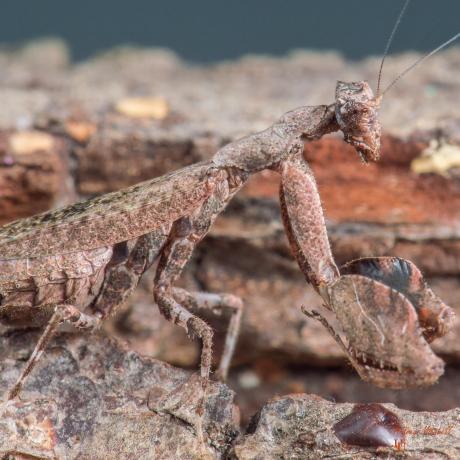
x=305 y=226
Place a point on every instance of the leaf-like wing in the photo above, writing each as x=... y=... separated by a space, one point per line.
x=108 y=219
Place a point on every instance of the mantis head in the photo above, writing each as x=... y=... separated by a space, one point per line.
x=356 y=111
x=356 y=107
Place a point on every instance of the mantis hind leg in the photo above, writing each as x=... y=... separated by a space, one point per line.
x=62 y=314
x=121 y=277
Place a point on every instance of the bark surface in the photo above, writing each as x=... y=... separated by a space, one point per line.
x=91 y=398
x=302 y=427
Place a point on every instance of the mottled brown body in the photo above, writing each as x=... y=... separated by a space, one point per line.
x=111 y=218
x=79 y=263
x=32 y=287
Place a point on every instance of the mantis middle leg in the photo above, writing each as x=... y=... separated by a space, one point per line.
x=177 y=304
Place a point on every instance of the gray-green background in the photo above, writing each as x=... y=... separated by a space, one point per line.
x=209 y=30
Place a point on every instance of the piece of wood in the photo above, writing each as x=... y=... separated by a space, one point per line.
x=88 y=399
x=301 y=427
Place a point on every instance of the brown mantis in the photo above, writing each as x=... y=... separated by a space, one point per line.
x=77 y=264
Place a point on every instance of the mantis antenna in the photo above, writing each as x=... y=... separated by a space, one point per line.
x=389 y=41
x=420 y=60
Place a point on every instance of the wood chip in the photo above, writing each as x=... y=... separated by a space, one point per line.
x=149 y=107
x=80 y=131
x=27 y=142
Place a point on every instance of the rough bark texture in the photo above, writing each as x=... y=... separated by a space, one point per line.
x=301 y=427
x=72 y=130
x=90 y=399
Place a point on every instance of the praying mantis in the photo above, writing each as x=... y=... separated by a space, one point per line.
x=76 y=265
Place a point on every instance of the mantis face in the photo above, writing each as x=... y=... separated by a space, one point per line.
x=356 y=111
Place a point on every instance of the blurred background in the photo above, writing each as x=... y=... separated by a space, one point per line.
x=211 y=30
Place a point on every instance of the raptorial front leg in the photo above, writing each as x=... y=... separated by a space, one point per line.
x=305 y=226
x=62 y=314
